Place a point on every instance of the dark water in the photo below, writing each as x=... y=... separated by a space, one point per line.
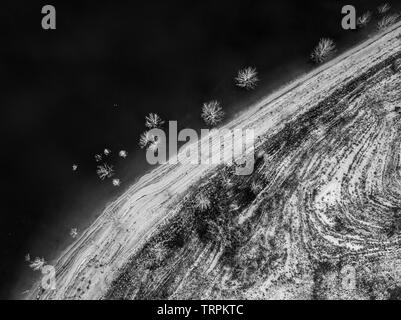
x=59 y=89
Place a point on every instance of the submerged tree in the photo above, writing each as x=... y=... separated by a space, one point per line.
x=153 y=121
x=387 y=21
x=105 y=171
x=364 y=19
x=74 y=232
x=145 y=139
x=37 y=264
x=325 y=48
x=383 y=8
x=247 y=78
x=154 y=145
x=123 y=154
x=116 y=182
x=212 y=113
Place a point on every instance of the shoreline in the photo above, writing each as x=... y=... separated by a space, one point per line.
x=155 y=173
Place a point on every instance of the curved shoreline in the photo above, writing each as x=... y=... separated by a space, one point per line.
x=126 y=223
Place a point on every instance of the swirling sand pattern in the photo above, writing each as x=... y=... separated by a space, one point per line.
x=320 y=217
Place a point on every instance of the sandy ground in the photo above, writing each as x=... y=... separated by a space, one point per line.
x=86 y=268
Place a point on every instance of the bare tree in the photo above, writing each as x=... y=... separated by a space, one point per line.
x=145 y=139
x=105 y=171
x=364 y=19
x=37 y=264
x=325 y=48
x=247 y=78
x=153 y=121
x=383 y=8
x=116 y=182
x=123 y=154
x=212 y=113
x=387 y=21
x=158 y=252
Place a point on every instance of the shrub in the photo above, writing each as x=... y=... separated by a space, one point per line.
x=397 y=65
x=202 y=202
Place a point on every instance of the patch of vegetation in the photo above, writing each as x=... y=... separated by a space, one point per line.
x=394 y=227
